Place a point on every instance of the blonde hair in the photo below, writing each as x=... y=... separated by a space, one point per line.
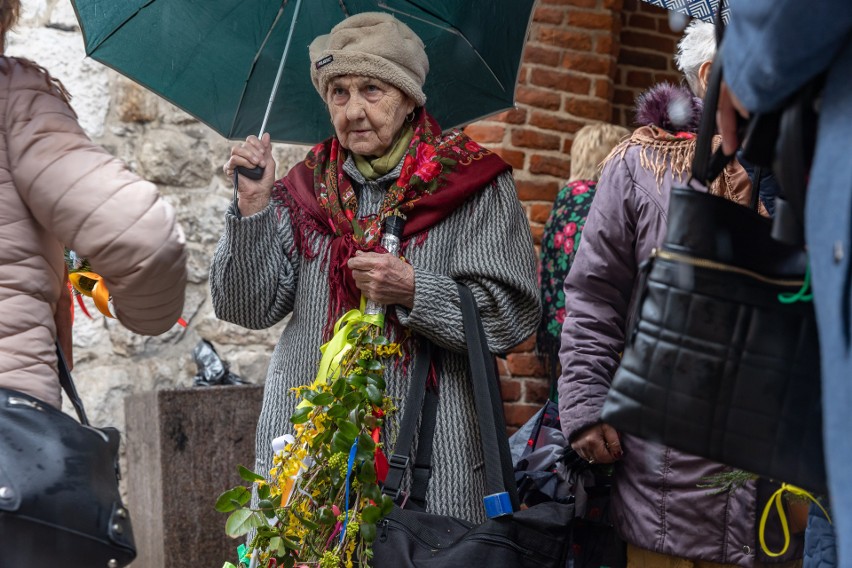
x=10 y=11
x=591 y=145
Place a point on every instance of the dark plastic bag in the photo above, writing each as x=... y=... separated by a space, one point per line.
x=212 y=370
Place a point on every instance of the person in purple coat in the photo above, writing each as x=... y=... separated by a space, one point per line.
x=658 y=503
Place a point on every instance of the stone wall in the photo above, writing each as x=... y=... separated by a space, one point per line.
x=585 y=61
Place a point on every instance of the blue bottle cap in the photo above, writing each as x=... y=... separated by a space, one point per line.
x=497 y=505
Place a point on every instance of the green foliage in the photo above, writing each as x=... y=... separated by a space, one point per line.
x=300 y=510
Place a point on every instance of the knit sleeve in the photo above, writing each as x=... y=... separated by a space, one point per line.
x=255 y=269
x=493 y=255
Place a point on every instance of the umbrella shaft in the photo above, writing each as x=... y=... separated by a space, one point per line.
x=280 y=69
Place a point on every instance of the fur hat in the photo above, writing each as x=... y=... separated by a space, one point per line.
x=371 y=44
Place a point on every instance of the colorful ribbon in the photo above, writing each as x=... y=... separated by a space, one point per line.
x=779 y=505
x=92 y=285
x=804 y=293
x=335 y=350
x=349 y=466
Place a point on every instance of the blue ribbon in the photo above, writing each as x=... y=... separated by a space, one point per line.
x=352 y=452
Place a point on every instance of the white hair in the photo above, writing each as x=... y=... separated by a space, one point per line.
x=696 y=47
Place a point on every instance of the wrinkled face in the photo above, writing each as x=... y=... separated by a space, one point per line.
x=367 y=113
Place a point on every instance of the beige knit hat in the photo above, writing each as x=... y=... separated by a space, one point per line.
x=371 y=44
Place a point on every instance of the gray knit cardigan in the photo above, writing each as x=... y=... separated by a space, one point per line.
x=258 y=277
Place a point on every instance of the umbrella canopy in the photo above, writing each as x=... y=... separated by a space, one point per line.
x=701 y=9
x=217 y=59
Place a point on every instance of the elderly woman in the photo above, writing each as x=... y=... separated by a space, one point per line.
x=305 y=245
x=661 y=504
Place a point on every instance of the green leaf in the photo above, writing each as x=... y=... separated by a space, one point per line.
x=348 y=429
x=249 y=475
x=368 y=532
x=232 y=499
x=352 y=399
x=310 y=525
x=371 y=514
x=380 y=340
x=338 y=387
x=374 y=394
x=356 y=380
x=366 y=442
x=323 y=399
x=377 y=381
x=301 y=415
x=266 y=507
x=339 y=443
x=337 y=411
x=387 y=505
x=263 y=492
x=374 y=365
x=242 y=521
x=289 y=543
x=363 y=363
x=367 y=474
x=353 y=335
x=372 y=492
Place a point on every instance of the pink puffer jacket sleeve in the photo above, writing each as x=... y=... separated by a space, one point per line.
x=93 y=204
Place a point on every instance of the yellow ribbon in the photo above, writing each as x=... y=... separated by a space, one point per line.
x=335 y=350
x=92 y=285
x=776 y=499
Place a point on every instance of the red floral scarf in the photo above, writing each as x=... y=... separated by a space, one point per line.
x=438 y=174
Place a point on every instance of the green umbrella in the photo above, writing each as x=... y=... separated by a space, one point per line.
x=218 y=59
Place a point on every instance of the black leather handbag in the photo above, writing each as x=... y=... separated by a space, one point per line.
x=537 y=537
x=59 y=498
x=722 y=357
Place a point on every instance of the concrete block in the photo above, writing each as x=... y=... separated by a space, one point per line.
x=183 y=448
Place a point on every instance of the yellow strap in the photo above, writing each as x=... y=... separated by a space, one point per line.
x=779 y=505
x=336 y=349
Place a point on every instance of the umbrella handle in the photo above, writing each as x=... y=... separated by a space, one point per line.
x=254 y=173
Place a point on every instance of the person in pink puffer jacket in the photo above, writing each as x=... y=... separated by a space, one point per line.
x=59 y=189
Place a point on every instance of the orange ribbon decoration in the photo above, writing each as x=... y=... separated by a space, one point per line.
x=92 y=285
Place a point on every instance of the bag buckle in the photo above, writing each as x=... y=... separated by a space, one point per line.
x=398 y=461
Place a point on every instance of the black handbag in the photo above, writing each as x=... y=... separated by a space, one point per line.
x=537 y=537
x=59 y=498
x=722 y=357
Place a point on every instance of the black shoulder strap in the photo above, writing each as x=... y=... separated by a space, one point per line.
x=398 y=461
x=499 y=474
x=68 y=386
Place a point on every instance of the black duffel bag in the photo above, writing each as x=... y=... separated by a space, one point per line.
x=722 y=356
x=537 y=537
x=59 y=498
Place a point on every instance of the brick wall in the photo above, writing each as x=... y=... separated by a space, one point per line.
x=585 y=60
x=644 y=58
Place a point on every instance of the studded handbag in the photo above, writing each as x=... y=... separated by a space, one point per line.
x=59 y=496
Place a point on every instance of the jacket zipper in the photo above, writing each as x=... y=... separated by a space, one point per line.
x=722 y=267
